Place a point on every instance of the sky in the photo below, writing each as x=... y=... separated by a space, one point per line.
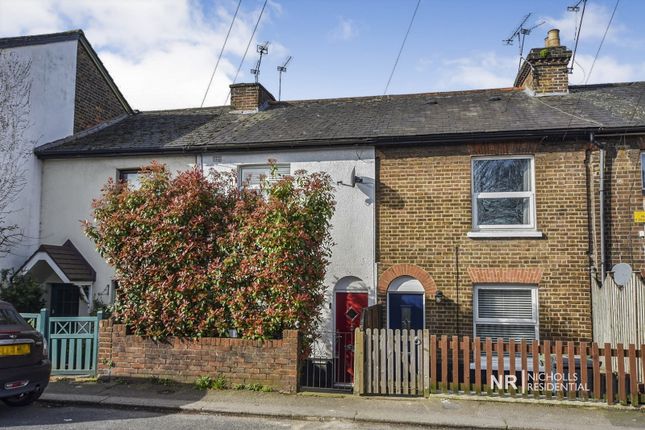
x=161 y=53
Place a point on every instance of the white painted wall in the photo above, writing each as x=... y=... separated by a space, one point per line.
x=69 y=186
x=51 y=117
x=353 y=223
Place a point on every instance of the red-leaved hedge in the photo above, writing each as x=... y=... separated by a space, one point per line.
x=196 y=256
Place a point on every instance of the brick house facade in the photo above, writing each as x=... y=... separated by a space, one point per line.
x=499 y=279
x=425 y=213
x=623 y=196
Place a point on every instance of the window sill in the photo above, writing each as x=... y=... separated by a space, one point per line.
x=504 y=234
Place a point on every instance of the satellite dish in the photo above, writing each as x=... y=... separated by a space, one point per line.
x=622 y=274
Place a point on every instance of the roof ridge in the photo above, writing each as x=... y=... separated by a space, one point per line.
x=41 y=39
x=431 y=93
x=606 y=84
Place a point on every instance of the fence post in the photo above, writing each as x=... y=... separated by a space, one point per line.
x=42 y=322
x=99 y=317
x=359 y=362
x=426 y=362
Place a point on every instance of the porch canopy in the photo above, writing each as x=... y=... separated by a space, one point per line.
x=59 y=263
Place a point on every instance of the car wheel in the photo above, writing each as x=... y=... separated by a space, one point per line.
x=22 y=399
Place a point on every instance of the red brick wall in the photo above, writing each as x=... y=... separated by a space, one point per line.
x=273 y=363
x=424 y=215
x=95 y=101
x=249 y=97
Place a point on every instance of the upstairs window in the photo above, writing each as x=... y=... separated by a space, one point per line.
x=132 y=177
x=252 y=175
x=503 y=193
x=507 y=312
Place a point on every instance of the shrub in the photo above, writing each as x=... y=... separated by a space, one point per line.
x=21 y=291
x=203 y=382
x=197 y=256
x=219 y=383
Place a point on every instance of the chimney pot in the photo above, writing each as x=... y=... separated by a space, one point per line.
x=552 y=39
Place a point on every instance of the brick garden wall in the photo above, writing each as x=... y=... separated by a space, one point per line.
x=273 y=363
x=424 y=215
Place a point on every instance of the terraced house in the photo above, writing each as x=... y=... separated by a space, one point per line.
x=495 y=212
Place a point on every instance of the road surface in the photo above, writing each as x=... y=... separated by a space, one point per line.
x=43 y=416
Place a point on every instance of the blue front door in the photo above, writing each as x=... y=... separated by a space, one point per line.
x=405 y=311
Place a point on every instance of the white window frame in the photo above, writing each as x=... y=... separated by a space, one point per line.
x=241 y=167
x=512 y=229
x=535 y=314
x=121 y=173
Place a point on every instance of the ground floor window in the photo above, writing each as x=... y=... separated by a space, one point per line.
x=506 y=311
x=405 y=304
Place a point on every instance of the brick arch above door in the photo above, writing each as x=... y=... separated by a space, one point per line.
x=412 y=270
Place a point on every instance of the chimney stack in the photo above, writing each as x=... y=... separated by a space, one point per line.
x=249 y=98
x=545 y=70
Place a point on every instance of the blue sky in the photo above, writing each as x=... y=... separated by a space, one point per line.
x=161 y=53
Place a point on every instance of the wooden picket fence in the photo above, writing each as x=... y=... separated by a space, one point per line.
x=415 y=363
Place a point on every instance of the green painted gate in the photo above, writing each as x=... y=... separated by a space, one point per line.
x=73 y=341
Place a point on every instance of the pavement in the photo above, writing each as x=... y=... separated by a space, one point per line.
x=434 y=412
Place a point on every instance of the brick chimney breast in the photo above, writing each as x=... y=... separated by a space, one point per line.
x=249 y=98
x=545 y=70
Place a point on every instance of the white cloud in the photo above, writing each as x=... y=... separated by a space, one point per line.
x=488 y=70
x=593 y=27
x=345 y=29
x=481 y=70
x=161 y=53
x=606 y=69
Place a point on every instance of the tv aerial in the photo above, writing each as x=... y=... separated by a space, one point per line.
x=282 y=69
x=576 y=8
x=520 y=33
x=262 y=49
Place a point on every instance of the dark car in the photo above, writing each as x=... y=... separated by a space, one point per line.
x=24 y=360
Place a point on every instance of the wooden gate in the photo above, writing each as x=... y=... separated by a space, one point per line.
x=73 y=342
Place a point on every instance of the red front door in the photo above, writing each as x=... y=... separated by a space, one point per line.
x=348 y=316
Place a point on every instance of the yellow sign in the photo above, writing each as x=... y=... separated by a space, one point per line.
x=20 y=349
x=639 y=216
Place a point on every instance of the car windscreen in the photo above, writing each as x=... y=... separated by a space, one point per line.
x=10 y=317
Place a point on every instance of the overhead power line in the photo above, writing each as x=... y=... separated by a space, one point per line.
x=575 y=8
x=602 y=41
x=387 y=86
x=257 y=23
x=219 y=57
x=593 y=63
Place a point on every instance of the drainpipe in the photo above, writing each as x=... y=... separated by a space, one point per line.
x=601 y=196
